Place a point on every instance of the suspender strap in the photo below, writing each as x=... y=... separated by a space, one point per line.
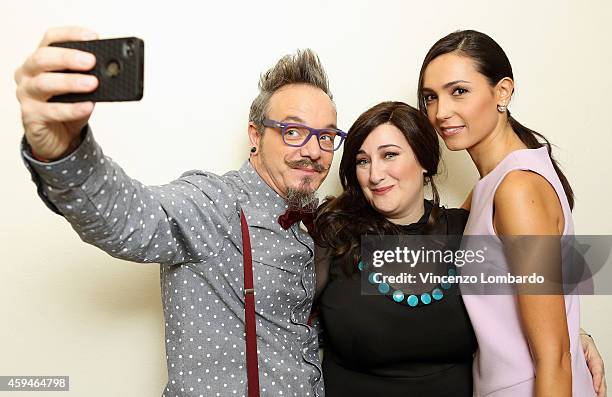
x=249 y=312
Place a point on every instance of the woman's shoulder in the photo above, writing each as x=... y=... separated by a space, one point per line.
x=526 y=203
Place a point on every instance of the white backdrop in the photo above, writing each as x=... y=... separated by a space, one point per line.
x=69 y=309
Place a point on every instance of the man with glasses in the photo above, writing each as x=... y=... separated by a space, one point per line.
x=192 y=226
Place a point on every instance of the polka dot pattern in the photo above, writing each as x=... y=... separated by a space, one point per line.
x=191 y=226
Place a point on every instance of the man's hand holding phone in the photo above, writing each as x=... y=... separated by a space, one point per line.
x=52 y=129
x=70 y=70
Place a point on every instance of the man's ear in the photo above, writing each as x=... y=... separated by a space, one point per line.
x=504 y=90
x=254 y=136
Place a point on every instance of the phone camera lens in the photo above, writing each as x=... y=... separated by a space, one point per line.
x=113 y=68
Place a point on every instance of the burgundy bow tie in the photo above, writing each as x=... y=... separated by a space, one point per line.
x=292 y=216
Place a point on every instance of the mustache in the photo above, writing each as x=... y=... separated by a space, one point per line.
x=306 y=163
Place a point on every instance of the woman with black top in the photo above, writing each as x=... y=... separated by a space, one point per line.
x=387 y=339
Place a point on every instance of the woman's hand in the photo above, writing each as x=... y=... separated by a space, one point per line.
x=595 y=363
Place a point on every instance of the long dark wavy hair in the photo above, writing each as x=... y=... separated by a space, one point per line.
x=491 y=61
x=342 y=220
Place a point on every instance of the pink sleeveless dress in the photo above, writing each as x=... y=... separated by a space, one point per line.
x=503 y=366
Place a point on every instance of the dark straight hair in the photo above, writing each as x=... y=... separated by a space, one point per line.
x=491 y=61
x=342 y=220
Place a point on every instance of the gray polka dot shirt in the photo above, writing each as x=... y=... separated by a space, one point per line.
x=191 y=227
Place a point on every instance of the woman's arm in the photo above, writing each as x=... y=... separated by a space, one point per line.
x=527 y=205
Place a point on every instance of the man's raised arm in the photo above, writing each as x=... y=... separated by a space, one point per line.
x=174 y=223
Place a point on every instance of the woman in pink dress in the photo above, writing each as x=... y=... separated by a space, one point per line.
x=528 y=344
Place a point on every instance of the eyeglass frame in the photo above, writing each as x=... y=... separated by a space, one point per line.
x=311 y=131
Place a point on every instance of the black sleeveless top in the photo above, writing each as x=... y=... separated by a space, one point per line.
x=374 y=346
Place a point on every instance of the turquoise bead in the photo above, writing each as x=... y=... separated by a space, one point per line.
x=411 y=300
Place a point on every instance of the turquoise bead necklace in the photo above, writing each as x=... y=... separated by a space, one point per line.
x=436 y=294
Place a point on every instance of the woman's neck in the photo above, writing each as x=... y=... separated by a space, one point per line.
x=492 y=149
x=410 y=216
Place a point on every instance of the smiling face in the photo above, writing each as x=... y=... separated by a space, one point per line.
x=286 y=168
x=461 y=103
x=390 y=176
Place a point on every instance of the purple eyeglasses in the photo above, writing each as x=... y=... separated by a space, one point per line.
x=297 y=135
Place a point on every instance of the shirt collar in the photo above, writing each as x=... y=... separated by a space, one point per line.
x=265 y=196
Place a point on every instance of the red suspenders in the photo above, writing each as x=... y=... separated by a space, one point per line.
x=249 y=312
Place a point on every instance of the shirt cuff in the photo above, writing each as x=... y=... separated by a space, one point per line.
x=70 y=171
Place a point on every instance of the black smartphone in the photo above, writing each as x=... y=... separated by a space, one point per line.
x=119 y=69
